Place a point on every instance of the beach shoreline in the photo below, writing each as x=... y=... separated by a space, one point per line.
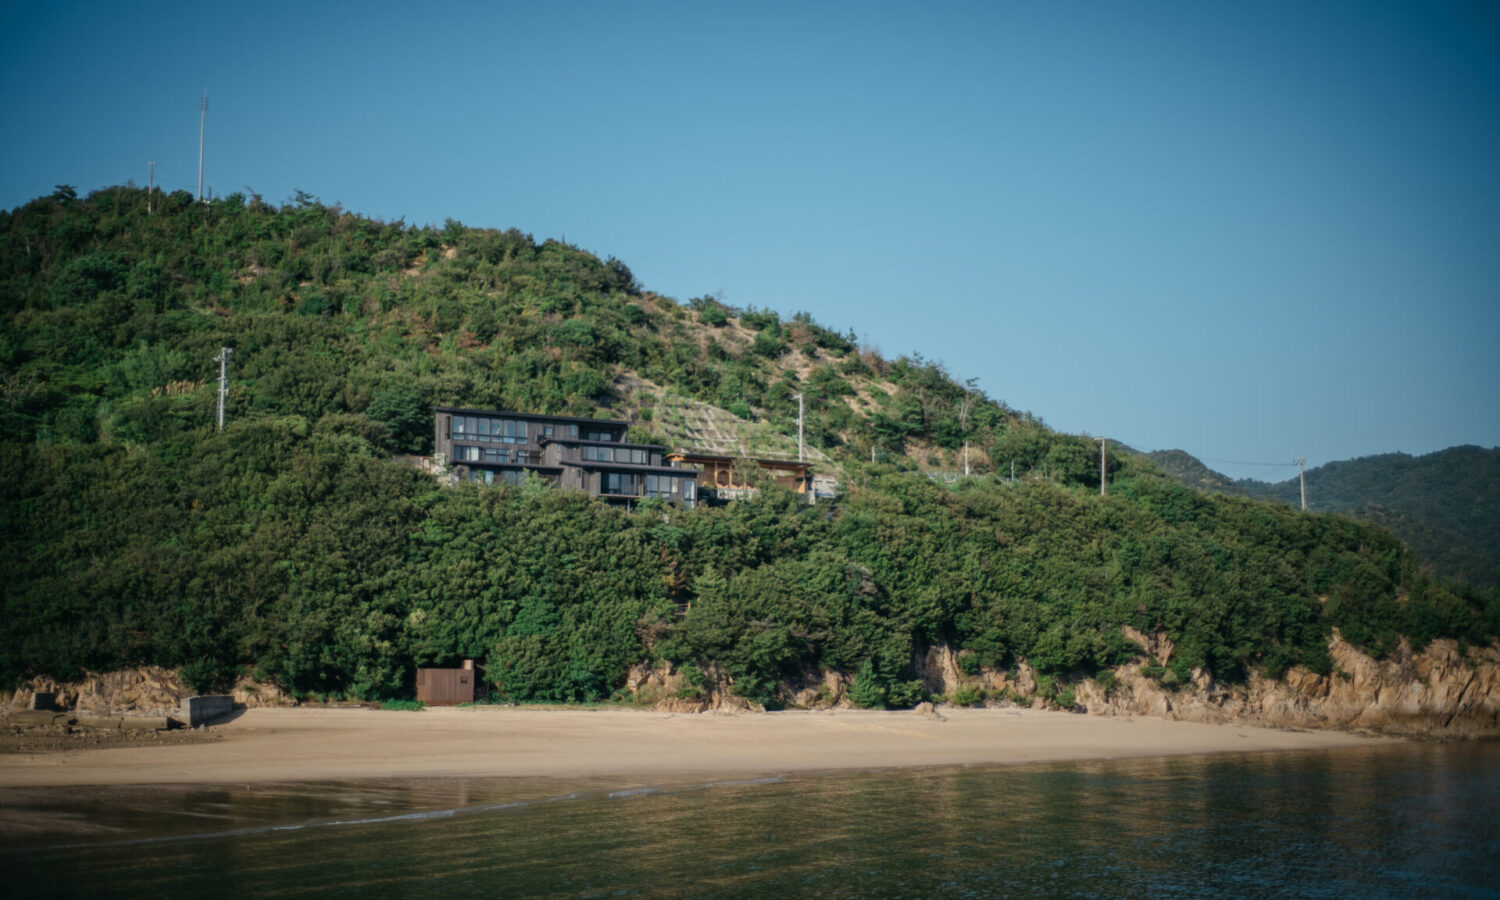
x=266 y=745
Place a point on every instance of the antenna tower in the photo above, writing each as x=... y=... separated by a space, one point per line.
x=202 y=117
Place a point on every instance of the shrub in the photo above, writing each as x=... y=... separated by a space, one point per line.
x=715 y=316
x=967 y=695
x=768 y=343
x=403 y=704
x=867 y=691
x=1182 y=672
x=760 y=319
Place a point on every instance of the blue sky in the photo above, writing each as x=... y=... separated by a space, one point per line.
x=1251 y=231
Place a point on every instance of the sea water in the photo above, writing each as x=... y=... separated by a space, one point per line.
x=1414 y=820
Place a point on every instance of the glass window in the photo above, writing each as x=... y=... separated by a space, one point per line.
x=484 y=427
x=622 y=483
x=546 y=431
x=572 y=431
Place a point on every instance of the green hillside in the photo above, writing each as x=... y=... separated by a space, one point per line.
x=299 y=543
x=1446 y=505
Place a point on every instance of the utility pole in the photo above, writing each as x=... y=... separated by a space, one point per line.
x=150 y=186
x=799 y=426
x=963 y=419
x=202 y=117
x=1102 y=470
x=1302 y=477
x=223 y=360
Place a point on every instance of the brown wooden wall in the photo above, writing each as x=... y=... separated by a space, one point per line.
x=445 y=687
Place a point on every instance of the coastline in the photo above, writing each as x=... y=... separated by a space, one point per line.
x=265 y=745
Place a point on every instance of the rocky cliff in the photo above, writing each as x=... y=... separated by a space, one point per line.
x=1437 y=692
x=144 y=691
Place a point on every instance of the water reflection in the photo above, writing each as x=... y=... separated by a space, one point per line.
x=1415 y=820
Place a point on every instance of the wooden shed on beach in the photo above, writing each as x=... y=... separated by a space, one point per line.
x=446 y=687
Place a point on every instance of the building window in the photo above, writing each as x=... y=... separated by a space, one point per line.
x=659 y=486
x=487 y=430
x=546 y=431
x=524 y=457
x=622 y=483
x=599 y=436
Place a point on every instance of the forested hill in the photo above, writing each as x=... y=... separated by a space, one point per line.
x=300 y=544
x=1446 y=504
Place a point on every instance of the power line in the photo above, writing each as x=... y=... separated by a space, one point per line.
x=1239 y=462
x=1232 y=462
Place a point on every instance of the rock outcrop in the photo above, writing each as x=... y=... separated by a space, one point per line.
x=1436 y=692
x=143 y=691
x=666 y=688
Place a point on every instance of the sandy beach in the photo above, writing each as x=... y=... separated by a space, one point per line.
x=277 y=745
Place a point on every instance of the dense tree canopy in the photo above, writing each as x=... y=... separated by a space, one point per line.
x=297 y=542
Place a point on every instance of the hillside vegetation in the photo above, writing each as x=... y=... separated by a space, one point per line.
x=299 y=544
x=1446 y=504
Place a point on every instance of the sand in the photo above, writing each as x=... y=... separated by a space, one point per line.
x=306 y=744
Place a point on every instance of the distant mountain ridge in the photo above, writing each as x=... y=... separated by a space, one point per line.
x=1445 y=504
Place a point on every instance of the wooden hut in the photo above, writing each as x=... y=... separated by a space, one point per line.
x=446 y=687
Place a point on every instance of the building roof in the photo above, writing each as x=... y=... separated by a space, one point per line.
x=479 y=463
x=534 y=416
x=631 y=467
x=760 y=460
x=543 y=441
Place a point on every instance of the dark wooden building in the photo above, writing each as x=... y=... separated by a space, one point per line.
x=446 y=687
x=573 y=453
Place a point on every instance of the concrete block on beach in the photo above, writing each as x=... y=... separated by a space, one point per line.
x=202 y=710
